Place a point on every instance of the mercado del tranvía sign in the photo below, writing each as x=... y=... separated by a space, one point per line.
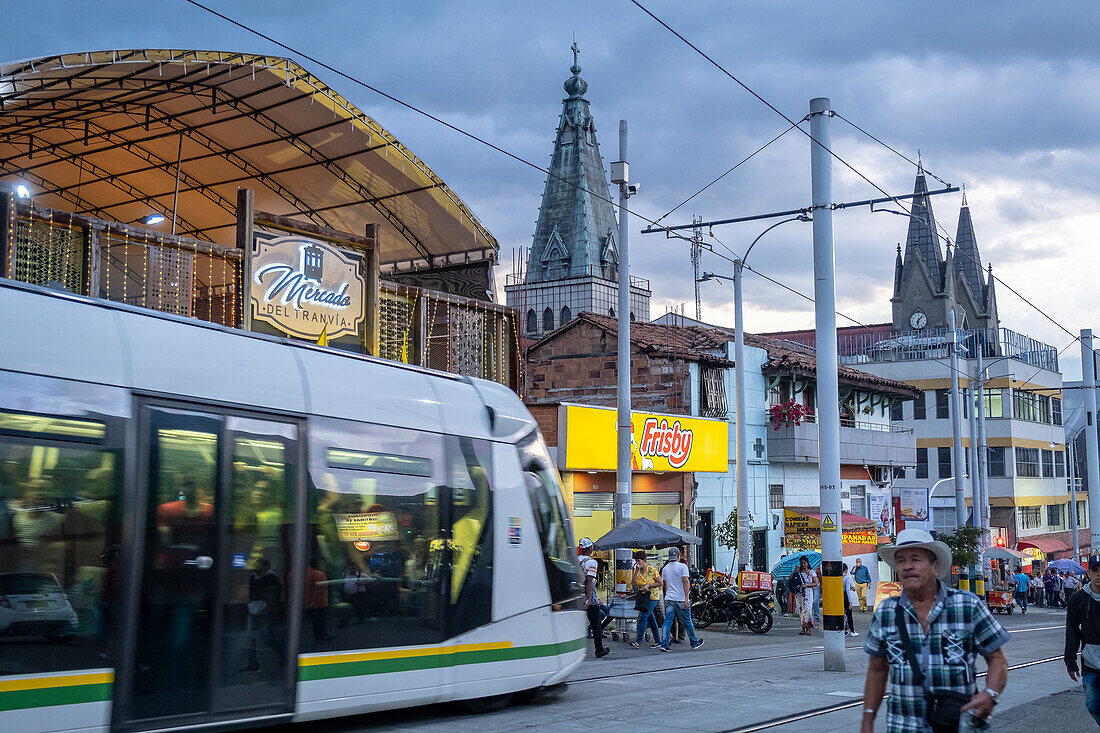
x=304 y=287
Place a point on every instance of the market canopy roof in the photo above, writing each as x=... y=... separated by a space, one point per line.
x=100 y=133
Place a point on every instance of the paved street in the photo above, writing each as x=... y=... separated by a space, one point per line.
x=738 y=680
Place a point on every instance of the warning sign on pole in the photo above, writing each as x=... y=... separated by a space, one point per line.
x=828 y=522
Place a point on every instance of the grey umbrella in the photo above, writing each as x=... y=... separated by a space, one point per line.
x=644 y=532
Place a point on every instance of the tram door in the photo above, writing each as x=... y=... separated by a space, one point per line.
x=210 y=635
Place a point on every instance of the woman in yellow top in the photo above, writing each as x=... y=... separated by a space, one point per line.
x=646 y=579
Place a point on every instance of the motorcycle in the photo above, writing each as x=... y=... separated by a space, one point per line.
x=719 y=603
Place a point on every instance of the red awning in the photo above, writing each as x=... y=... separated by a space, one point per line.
x=1046 y=544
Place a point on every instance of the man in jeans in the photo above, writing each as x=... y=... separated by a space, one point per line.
x=1021 y=580
x=590 y=568
x=677 y=587
x=1083 y=634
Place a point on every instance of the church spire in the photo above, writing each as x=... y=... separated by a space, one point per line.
x=921 y=241
x=968 y=261
x=575 y=232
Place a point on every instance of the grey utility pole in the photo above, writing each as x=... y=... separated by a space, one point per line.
x=975 y=483
x=983 y=463
x=743 y=549
x=1092 y=462
x=620 y=174
x=1072 y=475
x=828 y=390
x=957 y=456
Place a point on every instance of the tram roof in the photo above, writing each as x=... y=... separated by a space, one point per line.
x=101 y=132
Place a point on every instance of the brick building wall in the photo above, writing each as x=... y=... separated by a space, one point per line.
x=579 y=366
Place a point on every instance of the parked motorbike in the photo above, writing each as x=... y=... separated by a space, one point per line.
x=718 y=603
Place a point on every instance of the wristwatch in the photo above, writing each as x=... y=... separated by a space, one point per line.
x=870 y=711
x=993 y=693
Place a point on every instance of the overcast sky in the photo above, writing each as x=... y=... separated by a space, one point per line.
x=1001 y=97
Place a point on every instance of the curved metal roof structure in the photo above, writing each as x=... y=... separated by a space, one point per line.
x=101 y=133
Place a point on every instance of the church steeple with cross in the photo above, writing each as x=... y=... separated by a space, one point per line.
x=574 y=261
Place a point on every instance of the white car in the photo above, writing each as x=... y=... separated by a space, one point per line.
x=34 y=604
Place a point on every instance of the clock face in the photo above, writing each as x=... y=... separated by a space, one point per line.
x=918 y=320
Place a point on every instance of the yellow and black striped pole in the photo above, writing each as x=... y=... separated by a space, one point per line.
x=832 y=595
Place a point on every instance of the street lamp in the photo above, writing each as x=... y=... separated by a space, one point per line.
x=739 y=394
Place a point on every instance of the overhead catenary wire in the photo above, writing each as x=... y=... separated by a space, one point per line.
x=901 y=155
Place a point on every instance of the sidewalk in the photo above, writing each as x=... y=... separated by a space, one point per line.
x=1064 y=711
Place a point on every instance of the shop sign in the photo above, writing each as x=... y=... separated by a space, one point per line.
x=377 y=526
x=886 y=590
x=305 y=287
x=657 y=442
x=803 y=532
x=914 y=505
x=752 y=580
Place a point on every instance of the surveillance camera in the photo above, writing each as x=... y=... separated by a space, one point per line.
x=632 y=189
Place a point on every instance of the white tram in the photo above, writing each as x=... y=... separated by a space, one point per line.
x=203 y=527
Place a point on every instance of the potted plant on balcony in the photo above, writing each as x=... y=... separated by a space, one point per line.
x=788 y=413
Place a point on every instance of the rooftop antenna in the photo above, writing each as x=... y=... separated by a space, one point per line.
x=696 y=256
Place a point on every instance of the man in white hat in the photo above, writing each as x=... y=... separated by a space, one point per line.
x=925 y=643
x=591 y=601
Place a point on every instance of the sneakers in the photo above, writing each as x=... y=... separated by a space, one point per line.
x=603 y=653
x=664 y=648
x=851 y=633
x=697 y=644
x=655 y=645
x=635 y=645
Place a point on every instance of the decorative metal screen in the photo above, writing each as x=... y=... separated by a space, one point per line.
x=467 y=332
x=49 y=254
x=396 y=327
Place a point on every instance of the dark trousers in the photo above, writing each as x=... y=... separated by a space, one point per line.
x=848 y=612
x=318 y=619
x=594 y=622
x=1021 y=600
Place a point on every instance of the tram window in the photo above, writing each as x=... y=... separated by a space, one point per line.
x=471 y=593
x=377 y=549
x=555 y=535
x=60 y=533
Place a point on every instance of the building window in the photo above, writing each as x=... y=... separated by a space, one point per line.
x=996 y=461
x=942 y=411
x=1082 y=514
x=548 y=320
x=1042 y=413
x=1027 y=462
x=922 y=463
x=919 y=408
x=1056 y=410
x=1048 y=463
x=895 y=411
x=1060 y=464
x=775 y=496
x=713 y=392
x=858 y=496
x=944 y=456
x=1054 y=515
x=1030 y=517
x=566 y=316
x=943 y=519
x=532 y=322
x=992 y=399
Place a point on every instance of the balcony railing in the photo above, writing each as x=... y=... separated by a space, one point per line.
x=520 y=278
x=865 y=348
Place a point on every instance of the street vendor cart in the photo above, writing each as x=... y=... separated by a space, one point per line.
x=1000 y=601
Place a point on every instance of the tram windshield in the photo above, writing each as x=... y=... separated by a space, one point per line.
x=555 y=533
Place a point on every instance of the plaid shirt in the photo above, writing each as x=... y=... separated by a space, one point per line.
x=959 y=627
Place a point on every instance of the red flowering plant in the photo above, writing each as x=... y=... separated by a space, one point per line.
x=788 y=413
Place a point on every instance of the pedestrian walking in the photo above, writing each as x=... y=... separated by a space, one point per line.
x=1070 y=586
x=677 y=587
x=1036 y=586
x=802 y=587
x=1083 y=635
x=923 y=645
x=647 y=582
x=1059 y=600
x=849 y=584
x=1022 y=581
x=590 y=568
x=1048 y=587
x=862 y=578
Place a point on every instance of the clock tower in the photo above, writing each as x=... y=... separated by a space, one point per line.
x=928 y=284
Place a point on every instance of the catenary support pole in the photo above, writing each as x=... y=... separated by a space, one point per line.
x=958 y=458
x=1071 y=452
x=1092 y=462
x=975 y=486
x=743 y=545
x=622 y=467
x=828 y=391
x=983 y=463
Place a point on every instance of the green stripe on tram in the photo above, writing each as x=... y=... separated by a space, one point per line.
x=49 y=696
x=433 y=661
